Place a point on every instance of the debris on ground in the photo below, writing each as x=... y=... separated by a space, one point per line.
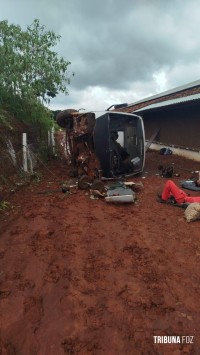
x=166 y=151
x=192 y=212
x=166 y=171
x=120 y=193
x=97 y=193
x=190 y=184
x=134 y=186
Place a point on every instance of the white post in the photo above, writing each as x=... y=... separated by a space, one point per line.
x=24 y=144
x=53 y=140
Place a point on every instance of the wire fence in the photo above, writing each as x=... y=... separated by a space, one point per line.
x=21 y=152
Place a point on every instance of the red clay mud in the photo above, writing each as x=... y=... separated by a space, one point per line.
x=79 y=276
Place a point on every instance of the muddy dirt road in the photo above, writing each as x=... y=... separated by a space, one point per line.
x=79 y=276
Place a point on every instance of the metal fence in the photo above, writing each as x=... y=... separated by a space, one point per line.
x=20 y=152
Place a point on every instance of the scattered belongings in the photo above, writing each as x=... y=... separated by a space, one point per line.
x=166 y=151
x=190 y=184
x=117 y=191
x=192 y=212
x=166 y=172
x=120 y=193
x=84 y=182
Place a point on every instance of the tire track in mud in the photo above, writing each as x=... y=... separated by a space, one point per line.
x=116 y=298
x=110 y=288
x=151 y=288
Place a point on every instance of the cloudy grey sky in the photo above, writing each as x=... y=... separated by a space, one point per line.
x=120 y=50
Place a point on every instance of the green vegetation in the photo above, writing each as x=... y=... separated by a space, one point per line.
x=31 y=73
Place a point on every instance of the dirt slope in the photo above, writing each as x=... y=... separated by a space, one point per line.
x=79 y=276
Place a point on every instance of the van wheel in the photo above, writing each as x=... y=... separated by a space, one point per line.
x=64 y=118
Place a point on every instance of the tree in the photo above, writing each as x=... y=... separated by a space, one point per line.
x=29 y=67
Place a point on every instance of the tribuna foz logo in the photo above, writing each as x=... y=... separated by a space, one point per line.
x=173 y=339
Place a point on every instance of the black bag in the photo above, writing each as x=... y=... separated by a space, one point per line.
x=166 y=151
